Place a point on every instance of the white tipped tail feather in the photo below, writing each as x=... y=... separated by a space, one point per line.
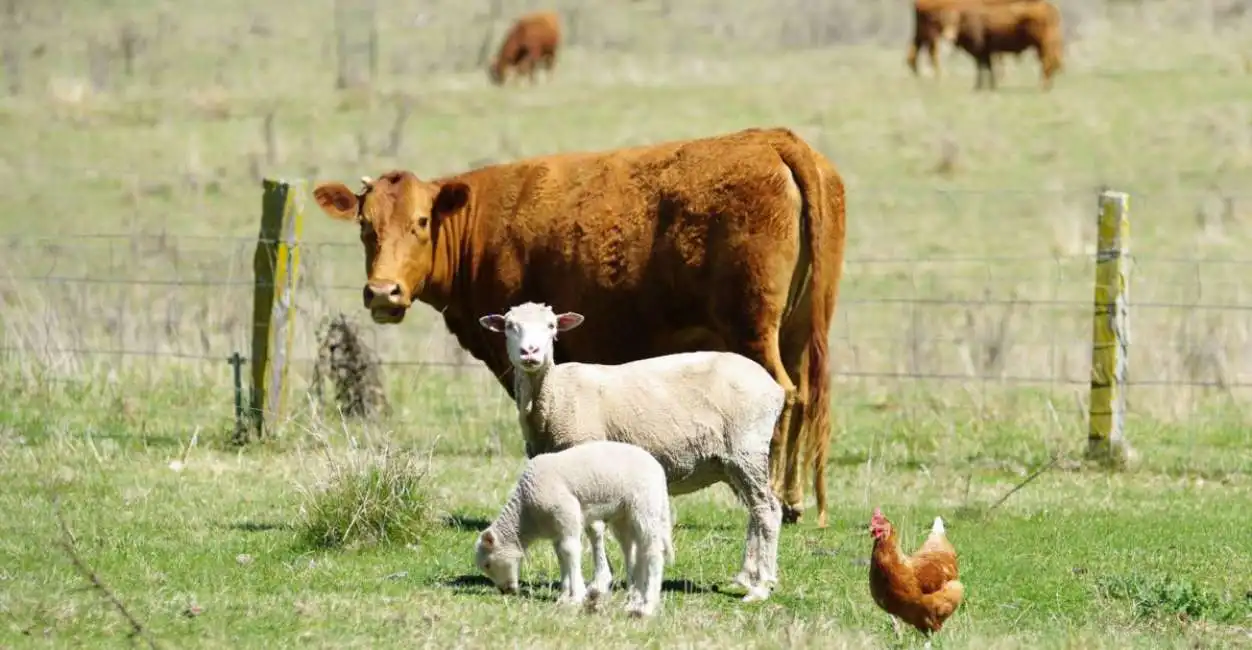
x=938 y=528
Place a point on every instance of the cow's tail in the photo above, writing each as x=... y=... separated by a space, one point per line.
x=823 y=223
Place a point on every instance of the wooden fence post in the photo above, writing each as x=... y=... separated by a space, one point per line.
x=1106 y=437
x=276 y=266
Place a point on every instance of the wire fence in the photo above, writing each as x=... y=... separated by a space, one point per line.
x=949 y=323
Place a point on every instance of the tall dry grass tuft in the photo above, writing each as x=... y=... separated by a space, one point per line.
x=369 y=498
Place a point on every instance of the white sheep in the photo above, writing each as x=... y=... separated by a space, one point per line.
x=559 y=495
x=706 y=416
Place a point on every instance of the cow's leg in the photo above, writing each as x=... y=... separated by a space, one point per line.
x=794 y=347
x=933 y=50
x=1048 y=66
x=984 y=70
x=914 y=47
x=527 y=68
x=549 y=64
x=759 y=340
x=797 y=439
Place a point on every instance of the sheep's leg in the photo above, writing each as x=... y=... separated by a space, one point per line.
x=750 y=481
x=569 y=556
x=749 y=574
x=602 y=576
x=768 y=540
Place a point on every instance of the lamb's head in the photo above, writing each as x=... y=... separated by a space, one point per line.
x=529 y=331
x=499 y=562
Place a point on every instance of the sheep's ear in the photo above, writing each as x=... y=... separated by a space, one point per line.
x=487 y=539
x=493 y=322
x=568 y=321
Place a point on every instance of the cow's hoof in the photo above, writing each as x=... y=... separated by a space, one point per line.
x=791 y=515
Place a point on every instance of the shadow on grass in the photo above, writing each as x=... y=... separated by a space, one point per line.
x=465 y=523
x=547 y=590
x=256 y=526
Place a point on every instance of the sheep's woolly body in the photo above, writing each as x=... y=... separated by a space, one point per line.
x=693 y=411
x=560 y=494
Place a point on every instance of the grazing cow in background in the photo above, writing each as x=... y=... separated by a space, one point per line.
x=733 y=242
x=936 y=22
x=989 y=29
x=532 y=40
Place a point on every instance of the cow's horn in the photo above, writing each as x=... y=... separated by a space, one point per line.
x=367 y=182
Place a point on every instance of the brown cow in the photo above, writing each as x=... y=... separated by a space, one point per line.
x=532 y=40
x=937 y=21
x=732 y=242
x=986 y=30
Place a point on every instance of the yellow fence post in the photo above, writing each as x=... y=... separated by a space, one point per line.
x=276 y=266
x=1106 y=437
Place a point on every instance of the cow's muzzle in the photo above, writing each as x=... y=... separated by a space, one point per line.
x=387 y=301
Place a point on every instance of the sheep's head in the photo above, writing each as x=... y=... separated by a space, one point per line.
x=529 y=332
x=499 y=563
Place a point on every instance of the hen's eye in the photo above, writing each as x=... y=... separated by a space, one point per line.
x=422 y=222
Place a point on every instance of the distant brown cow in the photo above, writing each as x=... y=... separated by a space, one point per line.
x=733 y=242
x=533 y=40
x=1011 y=28
x=937 y=21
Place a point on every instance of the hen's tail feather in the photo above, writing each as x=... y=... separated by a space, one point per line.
x=944 y=602
x=937 y=528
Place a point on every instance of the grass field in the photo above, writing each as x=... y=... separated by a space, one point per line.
x=962 y=342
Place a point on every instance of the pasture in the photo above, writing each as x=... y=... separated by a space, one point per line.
x=135 y=137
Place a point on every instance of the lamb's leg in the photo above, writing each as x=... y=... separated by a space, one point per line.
x=650 y=568
x=569 y=556
x=602 y=576
x=630 y=556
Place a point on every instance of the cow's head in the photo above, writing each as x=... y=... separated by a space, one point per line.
x=400 y=216
x=495 y=71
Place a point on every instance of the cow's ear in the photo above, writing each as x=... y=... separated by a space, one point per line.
x=337 y=200
x=493 y=322
x=452 y=197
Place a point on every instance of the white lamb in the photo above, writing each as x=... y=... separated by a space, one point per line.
x=559 y=495
x=707 y=417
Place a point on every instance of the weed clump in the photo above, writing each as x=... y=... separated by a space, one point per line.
x=1159 y=596
x=347 y=361
x=369 y=499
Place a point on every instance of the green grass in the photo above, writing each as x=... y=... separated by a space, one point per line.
x=941 y=407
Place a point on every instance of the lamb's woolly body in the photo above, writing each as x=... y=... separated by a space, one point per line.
x=559 y=495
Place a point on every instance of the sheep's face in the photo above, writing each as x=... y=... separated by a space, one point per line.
x=501 y=565
x=530 y=330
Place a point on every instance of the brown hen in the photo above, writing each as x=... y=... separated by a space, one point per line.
x=920 y=589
